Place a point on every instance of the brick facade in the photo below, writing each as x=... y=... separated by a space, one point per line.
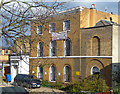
x=95 y=41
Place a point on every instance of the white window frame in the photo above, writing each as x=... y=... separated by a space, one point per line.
x=38 y=49
x=39 y=32
x=65 y=48
x=51 y=54
x=50 y=71
x=38 y=71
x=50 y=49
x=92 y=69
x=64 y=26
x=50 y=27
x=64 y=73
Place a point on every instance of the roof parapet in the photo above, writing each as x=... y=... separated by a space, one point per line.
x=80 y=8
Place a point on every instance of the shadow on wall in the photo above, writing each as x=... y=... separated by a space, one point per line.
x=111 y=74
x=106 y=74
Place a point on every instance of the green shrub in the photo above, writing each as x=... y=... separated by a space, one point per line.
x=92 y=84
x=45 y=83
x=57 y=85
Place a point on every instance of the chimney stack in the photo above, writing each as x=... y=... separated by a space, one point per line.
x=92 y=18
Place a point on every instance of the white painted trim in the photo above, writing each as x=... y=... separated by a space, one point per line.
x=14 y=59
x=79 y=7
x=64 y=26
x=50 y=74
x=71 y=57
x=64 y=48
x=92 y=69
x=50 y=49
x=38 y=30
x=38 y=49
x=52 y=81
x=38 y=70
x=5 y=64
x=49 y=28
x=14 y=64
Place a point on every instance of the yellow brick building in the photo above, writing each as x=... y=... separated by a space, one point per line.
x=22 y=45
x=4 y=59
x=61 y=51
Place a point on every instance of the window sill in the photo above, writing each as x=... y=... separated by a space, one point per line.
x=40 y=56
x=52 y=81
x=51 y=32
x=39 y=34
x=66 y=30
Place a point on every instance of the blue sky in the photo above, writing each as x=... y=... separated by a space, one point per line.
x=110 y=6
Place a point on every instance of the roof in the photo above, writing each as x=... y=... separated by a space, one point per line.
x=96 y=27
x=71 y=10
x=102 y=23
x=105 y=22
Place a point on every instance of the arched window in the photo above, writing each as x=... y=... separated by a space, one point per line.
x=96 y=46
x=40 y=72
x=52 y=73
x=95 y=70
x=67 y=73
x=67 y=47
x=53 y=48
x=40 y=49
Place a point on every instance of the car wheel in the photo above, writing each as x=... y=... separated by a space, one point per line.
x=21 y=84
x=18 y=83
x=29 y=86
x=15 y=83
x=24 y=84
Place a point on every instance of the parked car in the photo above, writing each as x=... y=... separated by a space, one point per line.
x=29 y=81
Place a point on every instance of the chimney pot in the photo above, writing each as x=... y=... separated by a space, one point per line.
x=93 y=6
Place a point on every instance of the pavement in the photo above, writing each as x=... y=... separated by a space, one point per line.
x=6 y=85
x=36 y=90
x=44 y=90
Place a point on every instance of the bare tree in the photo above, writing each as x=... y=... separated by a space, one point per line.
x=16 y=15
